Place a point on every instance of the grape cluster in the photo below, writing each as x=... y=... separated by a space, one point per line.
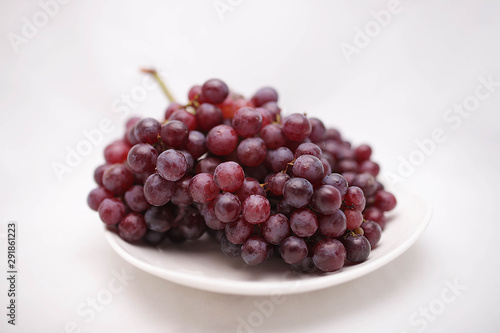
x=259 y=183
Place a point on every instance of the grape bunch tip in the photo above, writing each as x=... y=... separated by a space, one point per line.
x=260 y=183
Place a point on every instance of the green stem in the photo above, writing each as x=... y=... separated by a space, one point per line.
x=163 y=86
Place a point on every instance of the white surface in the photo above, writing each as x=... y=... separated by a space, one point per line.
x=187 y=264
x=398 y=89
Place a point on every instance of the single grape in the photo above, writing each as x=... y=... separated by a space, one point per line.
x=357 y=248
x=189 y=160
x=326 y=199
x=362 y=153
x=326 y=166
x=154 y=238
x=375 y=214
x=192 y=226
x=230 y=249
x=264 y=95
x=208 y=116
x=116 y=152
x=214 y=91
x=112 y=210
x=132 y=228
x=207 y=211
x=174 y=133
x=332 y=134
x=227 y=207
x=222 y=140
x=256 y=209
x=117 y=179
x=354 y=196
x=171 y=108
x=293 y=250
x=336 y=180
x=252 y=151
x=277 y=182
x=96 y=196
x=229 y=176
x=273 y=136
x=308 y=167
x=297 y=192
x=385 y=201
x=194 y=92
x=305 y=266
x=372 y=232
x=250 y=186
x=333 y=225
x=366 y=182
x=239 y=231
x=207 y=165
x=181 y=196
x=157 y=190
x=346 y=165
x=304 y=223
x=275 y=229
x=329 y=255
x=99 y=171
x=267 y=117
x=318 y=130
x=135 y=200
x=354 y=218
x=185 y=117
x=247 y=122
x=203 y=188
x=284 y=208
x=308 y=148
x=196 y=144
x=142 y=158
x=160 y=219
x=274 y=110
x=369 y=167
x=172 y=165
x=277 y=160
x=296 y=127
x=147 y=130
x=255 y=250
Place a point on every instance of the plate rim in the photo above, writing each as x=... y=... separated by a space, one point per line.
x=286 y=287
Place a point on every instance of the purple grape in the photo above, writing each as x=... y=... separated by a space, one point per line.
x=293 y=250
x=229 y=176
x=230 y=249
x=329 y=255
x=326 y=199
x=354 y=218
x=214 y=91
x=132 y=228
x=275 y=229
x=250 y=186
x=264 y=95
x=297 y=192
x=196 y=144
x=308 y=167
x=135 y=200
x=99 y=171
x=252 y=152
x=185 y=117
x=384 y=200
x=357 y=248
x=142 y=158
x=366 y=182
x=296 y=127
x=304 y=223
x=239 y=231
x=308 y=148
x=207 y=165
x=117 y=179
x=147 y=130
x=372 y=232
x=277 y=160
x=277 y=182
x=160 y=219
x=208 y=116
x=227 y=207
x=318 y=130
x=369 y=167
x=256 y=209
x=174 y=133
x=336 y=180
x=273 y=136
x=112 y=210
x=362 y=153
x=172 y=165
x=222 y=140
x=96 y=196
x=203 y=188
x=181 y=195
x=333 y=225
x=247 y=122
x=116 y=152
x=192 y=226
x=354 y=196
x=154 y=238
x=255 y=250
x=157 y=190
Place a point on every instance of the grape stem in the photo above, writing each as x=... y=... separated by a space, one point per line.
x=154 y=73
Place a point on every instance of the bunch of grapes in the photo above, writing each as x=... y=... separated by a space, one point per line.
x=260 y=183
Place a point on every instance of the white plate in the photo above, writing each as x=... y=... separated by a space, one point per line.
x=202 y=265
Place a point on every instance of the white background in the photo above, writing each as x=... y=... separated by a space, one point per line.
x=67 y=76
